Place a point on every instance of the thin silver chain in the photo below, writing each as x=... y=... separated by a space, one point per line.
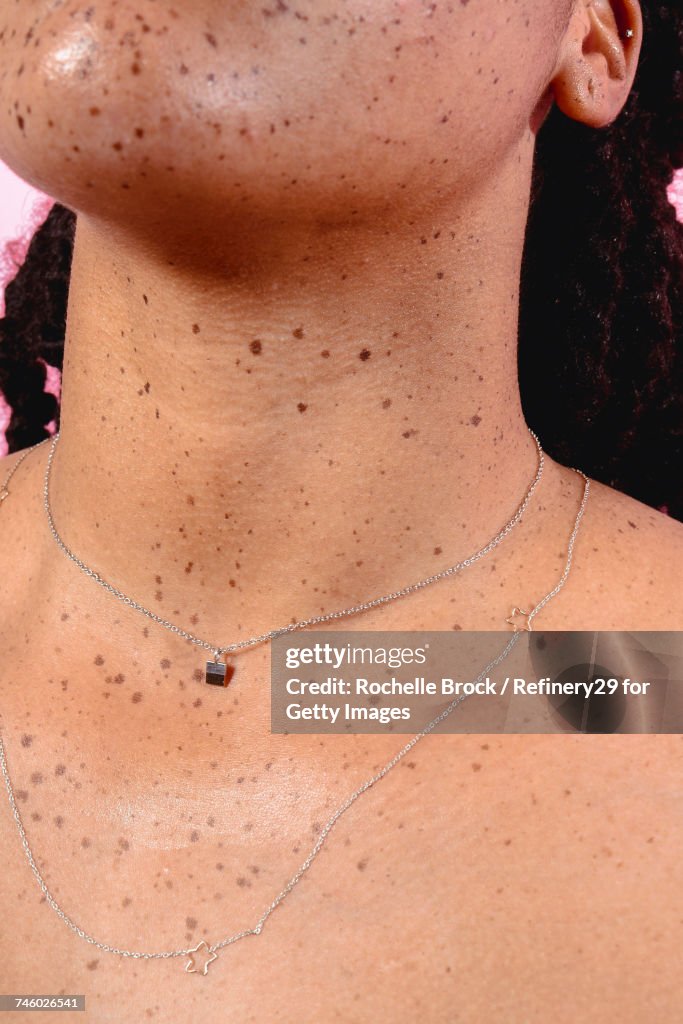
x=327 y=828
x=324 y=832
x=303 y=623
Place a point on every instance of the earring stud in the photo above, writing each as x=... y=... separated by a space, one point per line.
x=629 y=33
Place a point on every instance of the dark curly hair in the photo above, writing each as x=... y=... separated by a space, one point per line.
x=32 y=329
x=601 y=296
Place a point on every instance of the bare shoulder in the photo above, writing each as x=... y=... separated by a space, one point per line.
x=20 y=526
x=7 y=465
x=632 y=560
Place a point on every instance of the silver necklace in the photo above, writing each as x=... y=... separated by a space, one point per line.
x=203 y=954
x=219 y=673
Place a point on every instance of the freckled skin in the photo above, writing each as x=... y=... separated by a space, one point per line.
x=219 y=205
x=76 y=52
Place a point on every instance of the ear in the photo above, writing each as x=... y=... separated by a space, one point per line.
x=597 y=60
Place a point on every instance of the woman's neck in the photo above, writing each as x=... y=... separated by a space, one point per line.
x=317 y=416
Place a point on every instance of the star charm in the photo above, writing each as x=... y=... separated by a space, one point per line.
x=194 y=964
x=526 y=625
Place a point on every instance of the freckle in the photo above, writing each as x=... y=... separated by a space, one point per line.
x=60 y=769
x=242 y=882
x=198 y=675
x=476 y=767
x=59 y=821
x=183 y=69
x=99 y=660
x=507 y=842
x=437 y=551
x=194 y=837
x=20 y=121
x=298 y=332
x=137 y=697
x=197 y=703
x=362 y=864
x=126 y=901
x=364 y=354
x=255 y=346
x=195 y=328
x=211 y=39
x=37 y=778
x=325 y=353
x=38 y=817
x=302 y=407
x=85 y=842
x=439 y=274
x=92 y=964
x=64 y=616
x=386 y=403
x=117 y=145
x=94 y=111
x=190 y=499
x=475 y=420
x=26 y=740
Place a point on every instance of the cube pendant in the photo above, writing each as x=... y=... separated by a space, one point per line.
x=218 y=673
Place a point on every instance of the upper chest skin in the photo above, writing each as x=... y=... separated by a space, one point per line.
x=519 y=879
x=477 y=881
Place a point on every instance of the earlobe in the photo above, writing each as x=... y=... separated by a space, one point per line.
x=598 y=61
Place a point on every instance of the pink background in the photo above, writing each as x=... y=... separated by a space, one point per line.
x=23 y=209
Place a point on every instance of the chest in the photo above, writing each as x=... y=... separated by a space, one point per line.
x=484 y=873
